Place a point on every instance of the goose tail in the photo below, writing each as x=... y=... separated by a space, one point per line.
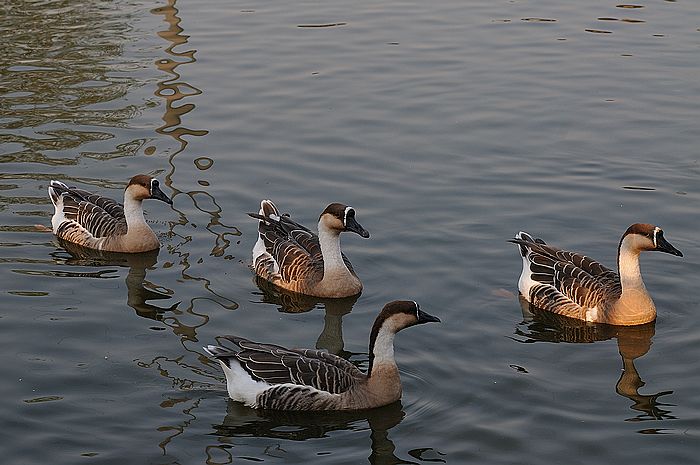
x=522 y=239
x=239 y=384
x=56 y=188
x=269 y=210
x=218 y=352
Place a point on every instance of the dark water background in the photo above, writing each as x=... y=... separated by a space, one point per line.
x=448 y=125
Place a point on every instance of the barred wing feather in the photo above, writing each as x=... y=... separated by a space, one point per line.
x=93 y=218
x=569 y=281
x=99 y=216
x=277 y=365
x=294 y=248
x=110 y=206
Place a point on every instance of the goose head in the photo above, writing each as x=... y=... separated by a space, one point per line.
x=642 y=236
x=394 y=317
x=143 y=187
x=401 y=314
x=339 y=218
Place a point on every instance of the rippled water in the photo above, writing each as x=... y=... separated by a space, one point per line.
x=448 y=125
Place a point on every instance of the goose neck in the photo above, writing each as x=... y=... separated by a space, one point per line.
x=330 y=249
x=628 y=266
x=133 y=211
x=381 y=349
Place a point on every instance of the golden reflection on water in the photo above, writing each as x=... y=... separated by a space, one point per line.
x=173 y=90
x=53 y=76
x=632 y=342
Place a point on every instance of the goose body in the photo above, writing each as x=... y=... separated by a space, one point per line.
x=292 y=257
x=571 y=284
x=101 y=223
x=272 y=377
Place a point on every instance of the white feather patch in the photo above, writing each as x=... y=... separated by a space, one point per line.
x=240 y=385
x=58 y=217
x=592 y=314
x=526 y=282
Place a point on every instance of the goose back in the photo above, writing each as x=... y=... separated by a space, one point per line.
x=563 y=282
x=298 y=379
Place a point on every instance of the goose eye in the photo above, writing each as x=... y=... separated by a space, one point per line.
x=154 y=183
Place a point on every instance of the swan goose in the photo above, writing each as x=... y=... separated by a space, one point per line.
x=292 y=257
x=101 y=223
x=268 y=376
x=577 y=286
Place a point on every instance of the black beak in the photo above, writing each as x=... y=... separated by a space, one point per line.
x=662 y=245
x=426 y=318
x=158 y=194
x=352 y=225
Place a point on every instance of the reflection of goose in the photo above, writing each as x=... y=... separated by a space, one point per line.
x=576 y=286
x=292 y=257
x=101 y=223
x=272 y=377
x=299 y=426
x=331 y=338
x=137 y=293
x=632 y=342
x=241 y=421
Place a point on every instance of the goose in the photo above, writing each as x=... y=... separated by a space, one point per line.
x=271 y=377
x=97 y=222
x=292 y=257
x=577 y=286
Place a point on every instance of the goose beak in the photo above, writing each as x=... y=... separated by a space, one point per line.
x=158 y=194
x=662 y=245
x=426 y=318
x=352 y=225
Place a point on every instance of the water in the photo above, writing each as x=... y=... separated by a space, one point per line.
x=449 y=126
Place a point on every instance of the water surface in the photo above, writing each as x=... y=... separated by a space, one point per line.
x=449 y=126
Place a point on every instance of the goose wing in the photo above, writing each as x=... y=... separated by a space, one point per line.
x=566 y=282
x=308 y=367
x=100 y=216
x=293 y=247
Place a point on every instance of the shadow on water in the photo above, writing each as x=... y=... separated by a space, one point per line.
x=241 y=421
x=331 y=337
x=139 y=290
x=632 y=342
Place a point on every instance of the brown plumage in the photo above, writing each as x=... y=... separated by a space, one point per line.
x=292 y=257
x=273 y=377
x=101 y=223
x=573 y=285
